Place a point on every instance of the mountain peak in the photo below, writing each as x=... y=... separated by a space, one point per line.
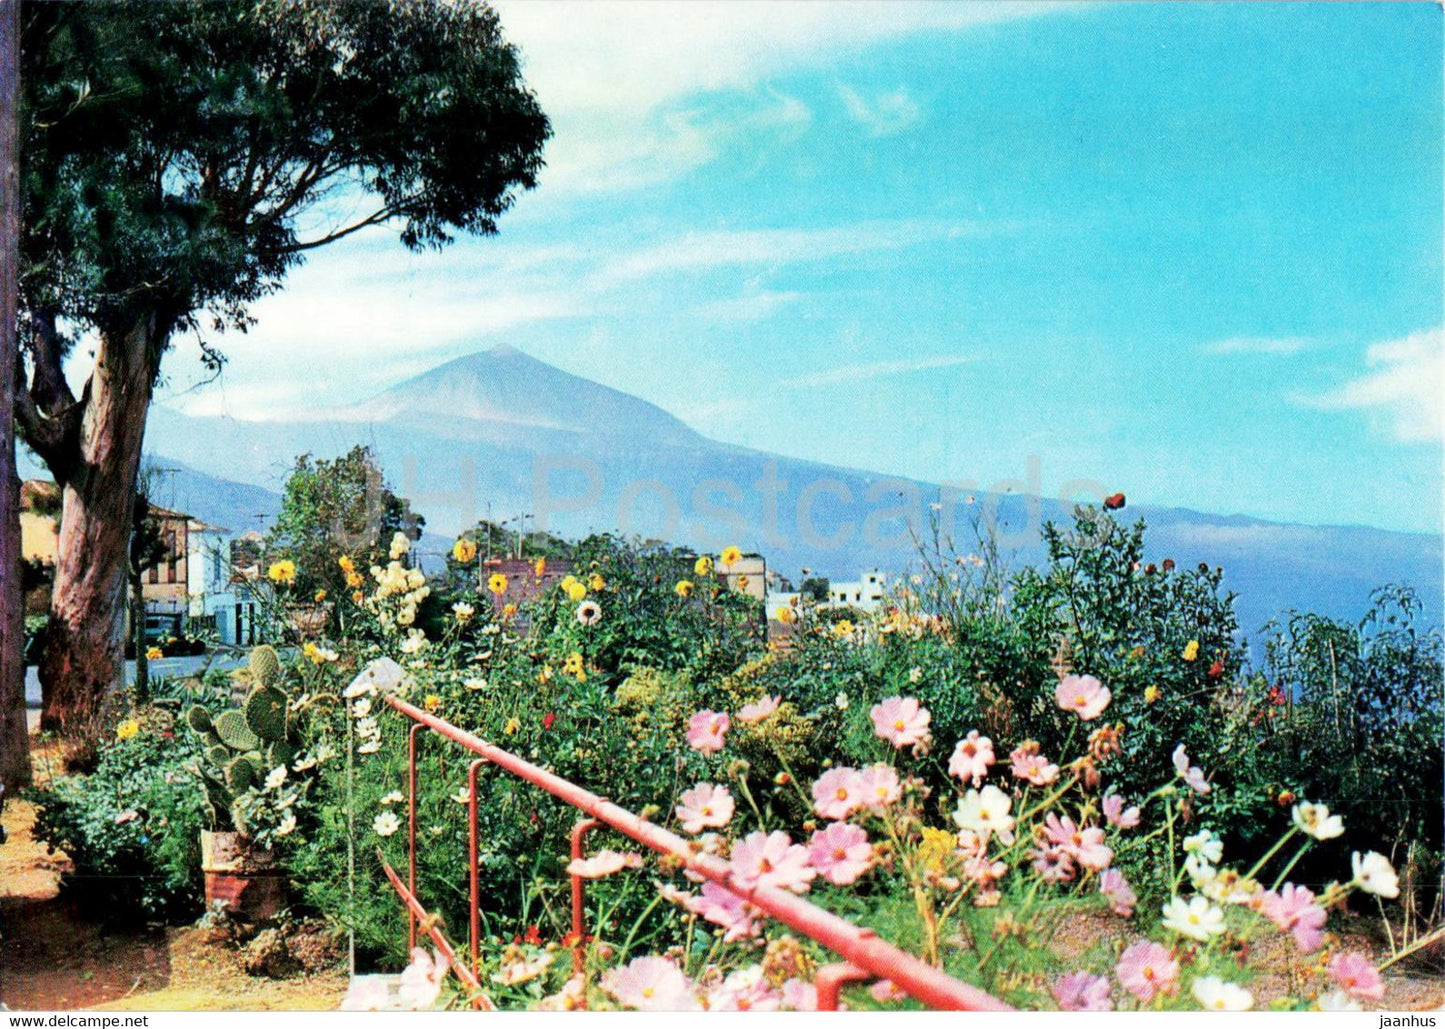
x=503 y=388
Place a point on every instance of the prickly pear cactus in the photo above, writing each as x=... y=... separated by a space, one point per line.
x=265 y=665
x=266 y=713
x=199 y=719
x=235 y=732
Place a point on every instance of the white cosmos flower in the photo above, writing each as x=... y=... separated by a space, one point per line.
x=1338 y=1000
x=1374 y=874
x=1196 y=918
x=371 y=746
x=986 y=811
x=394 y=797
x=361 y=708
x=385 y=823
x=1204 y=843
x=462 y=796
x=1214 y=994
x=275 y=777
x=286 y=825
x=1200 y=871
x=1315 y=820
x=475 y=684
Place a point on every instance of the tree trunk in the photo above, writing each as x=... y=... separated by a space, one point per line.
x=142 y=689
x=14 y=738
x=83 y=646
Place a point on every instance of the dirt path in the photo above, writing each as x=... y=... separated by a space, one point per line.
x=53 y=958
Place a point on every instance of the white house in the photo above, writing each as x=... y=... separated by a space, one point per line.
x=865 y=594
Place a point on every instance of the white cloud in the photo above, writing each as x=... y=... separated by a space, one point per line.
x=767 y=247
x=868 y=370
x=751 y=306
x=1405 y=387
x=885 y=115
x=1275 y=345
x=615 y=77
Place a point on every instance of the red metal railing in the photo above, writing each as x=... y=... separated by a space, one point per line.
x=866 y=955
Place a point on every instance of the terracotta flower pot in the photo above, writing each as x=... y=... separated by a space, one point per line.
x=242 y=878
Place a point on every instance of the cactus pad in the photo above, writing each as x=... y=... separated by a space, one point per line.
x=231 y=727
x=240 y=775
x=219 y=755
x=282 y=752
x=265 y=665
x=266 y=713
x=199 y=719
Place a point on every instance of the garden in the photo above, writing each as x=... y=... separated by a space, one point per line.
x=1071 y=787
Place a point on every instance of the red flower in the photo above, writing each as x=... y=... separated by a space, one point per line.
x=548 y=720
x=1216 y=669
x=1114 y=502
x=534 y=936
x=1169 y=564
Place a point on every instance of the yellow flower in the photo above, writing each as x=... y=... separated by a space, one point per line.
x=568 y=582
x=1152 y=693
x=576 y=591
x=935 y=848
x=154 y=653
x=354 y=580
x=545 y=675
x=703 y=566
x=540 y=568
x=346 y=564
x=784 y=615
x=126 y=729
x=843 y=628
x=683 y=588
x=743 y=581
x=320 y=596
x=595 y=583
x=513 y=727
x=497 y=583
x=432 y=702
x=509 y=610
x=282 y=572
x=357 y=597
x=732 y=555
x=1191 y=650
x=573 y=665
x=464 y=550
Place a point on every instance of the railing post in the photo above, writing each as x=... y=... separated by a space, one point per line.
x=411 y=830
x=475 y=926
x=830 y=980
x=579 y=897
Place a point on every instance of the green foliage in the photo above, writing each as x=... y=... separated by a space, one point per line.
x=334 y=509
x=131 y=827
x=265 y=665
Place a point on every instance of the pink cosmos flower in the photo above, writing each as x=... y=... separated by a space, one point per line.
x=723 y=907
x=1028 y=764
x=1053 y=864
x=984 y=873
x=1191 y=774
x=1122 y=899
x=1146 y=968
x=901 y=721
x=884 y=991
x=1117 y=815
x=878 y=786
x=1294 y=910
x=800 y=996
x=706 y=729
x=1084 y=695
x=651 y=984
x=1086 y=846
x=745 y=990
x=841 y=852
x=366 y=993
x=838 y=793
x=1081 y=991
x=772 y=859
x=971 y=844
x=1357 y=976
x=971 y=758
x=603 y=864
x=759 y=710
x=421 y=981
x=705 y=806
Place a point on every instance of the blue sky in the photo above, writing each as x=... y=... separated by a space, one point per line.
x=1192 y=252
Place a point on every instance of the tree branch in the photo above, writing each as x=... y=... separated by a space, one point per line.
x=48 y=388
x=375 y=219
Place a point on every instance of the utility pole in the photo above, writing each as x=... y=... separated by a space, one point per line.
x=14 y=733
